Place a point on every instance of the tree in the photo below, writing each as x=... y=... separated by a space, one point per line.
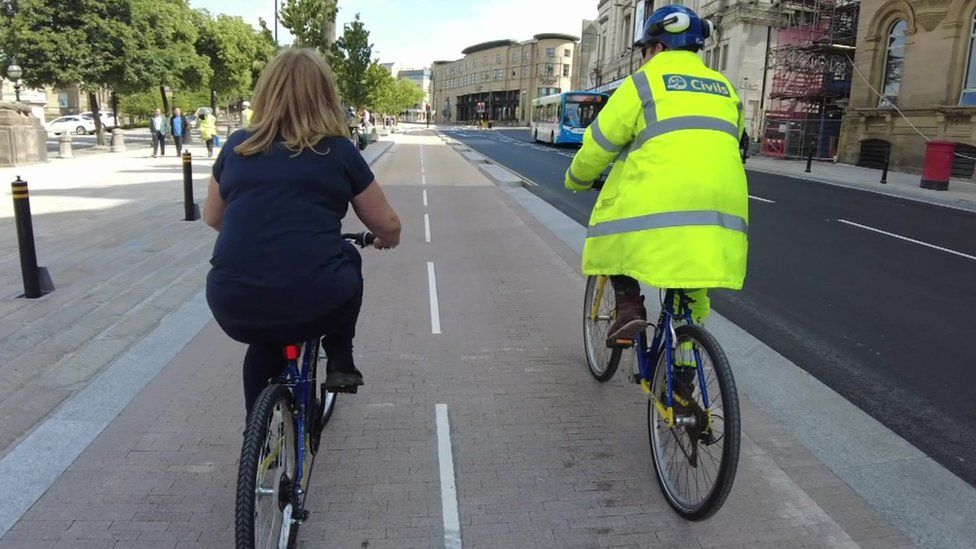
x=395 y=96
x=234 y=48
x=166 y=55
x=353 y=64
x=65 y=42
x=309 y=22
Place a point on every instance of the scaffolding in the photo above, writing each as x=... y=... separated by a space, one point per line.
x=812 y=70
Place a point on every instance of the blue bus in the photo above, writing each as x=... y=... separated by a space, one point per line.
x=563 y=117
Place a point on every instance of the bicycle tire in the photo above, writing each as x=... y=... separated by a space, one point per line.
x=254 y=441
x=594 y=345
x=731 y=422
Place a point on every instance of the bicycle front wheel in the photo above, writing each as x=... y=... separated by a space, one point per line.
x=267 y=473
x=696 y=456
x=599 y=310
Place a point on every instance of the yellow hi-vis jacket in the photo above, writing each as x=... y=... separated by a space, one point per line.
x=674 y=210
x=246 y=116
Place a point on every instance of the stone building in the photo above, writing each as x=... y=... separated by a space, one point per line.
x=918 y=56
x=739 y=49
x=420 y=77
x=500 y=78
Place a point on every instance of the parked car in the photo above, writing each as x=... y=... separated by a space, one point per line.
x=73 y=123
x=108 y=121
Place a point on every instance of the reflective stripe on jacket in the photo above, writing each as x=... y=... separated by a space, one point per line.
x=674 y=210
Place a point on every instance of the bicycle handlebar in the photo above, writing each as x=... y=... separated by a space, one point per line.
x=362 y=239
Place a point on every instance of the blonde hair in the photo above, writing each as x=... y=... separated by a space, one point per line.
x=295 y=100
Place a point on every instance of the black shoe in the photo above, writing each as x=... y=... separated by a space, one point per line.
x=343 y=382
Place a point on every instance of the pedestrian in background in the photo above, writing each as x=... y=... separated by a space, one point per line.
x=179 y=128
x=208 y=129
x=158 y=128
x=246 y=115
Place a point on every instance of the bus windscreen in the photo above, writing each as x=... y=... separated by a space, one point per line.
x=581 y=109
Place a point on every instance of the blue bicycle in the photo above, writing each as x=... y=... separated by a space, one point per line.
x=282 y=438
x=693 y=420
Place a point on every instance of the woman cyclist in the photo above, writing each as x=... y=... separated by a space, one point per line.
x=281 y=272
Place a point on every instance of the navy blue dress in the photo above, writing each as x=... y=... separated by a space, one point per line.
x=280 y=269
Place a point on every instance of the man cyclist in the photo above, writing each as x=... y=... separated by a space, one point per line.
x=674 y=210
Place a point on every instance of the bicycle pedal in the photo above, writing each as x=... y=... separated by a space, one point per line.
x=620 y=343
x=301 y=516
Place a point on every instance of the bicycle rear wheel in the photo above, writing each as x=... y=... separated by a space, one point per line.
x=695 y=460
x=599 y=310
x=267 y=473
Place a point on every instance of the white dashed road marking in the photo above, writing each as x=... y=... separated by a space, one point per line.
x=445 y=458
x=906 y=239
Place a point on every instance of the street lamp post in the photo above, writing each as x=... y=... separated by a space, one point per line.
x=14 y=72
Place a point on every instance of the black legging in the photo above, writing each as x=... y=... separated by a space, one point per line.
x=624 y=285
x=265 y=361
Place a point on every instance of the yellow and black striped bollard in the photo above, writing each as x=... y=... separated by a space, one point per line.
x=37 y=282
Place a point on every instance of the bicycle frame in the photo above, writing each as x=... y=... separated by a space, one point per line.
x=663 y=342
x=299 y=380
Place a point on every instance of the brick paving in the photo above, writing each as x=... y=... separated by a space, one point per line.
x=544 y=456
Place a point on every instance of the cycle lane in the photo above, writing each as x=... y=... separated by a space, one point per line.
x=543 y=456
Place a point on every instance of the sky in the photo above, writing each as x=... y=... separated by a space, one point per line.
x=416 y=32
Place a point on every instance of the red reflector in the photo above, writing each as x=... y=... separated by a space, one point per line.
x=291 y=352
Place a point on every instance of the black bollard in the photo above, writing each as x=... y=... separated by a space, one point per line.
x=809 y=160
x=190 y=208
x=37 y=281
x=884 y=173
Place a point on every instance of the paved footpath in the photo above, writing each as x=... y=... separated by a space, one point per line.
x=543 y=455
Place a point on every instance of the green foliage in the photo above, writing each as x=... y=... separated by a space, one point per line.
x=143 y=104
x=393 y=96
x=306 y=20
x=235 y=49
x=64 y=42
x=355 y=70
x=167 y=55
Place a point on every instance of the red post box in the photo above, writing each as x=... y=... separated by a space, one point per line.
x=938 y=165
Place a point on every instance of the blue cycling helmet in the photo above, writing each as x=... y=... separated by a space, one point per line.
x=677 y=27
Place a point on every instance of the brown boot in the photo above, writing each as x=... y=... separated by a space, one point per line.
x=631 y=317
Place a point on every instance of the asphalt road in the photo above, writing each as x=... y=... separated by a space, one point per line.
x=887 y=323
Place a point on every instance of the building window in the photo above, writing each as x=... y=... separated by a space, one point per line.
x=566 y=70
x=550 y=52
x=474 y=62
x=550 y=70
x=525 y=55
x=894 y=61
x=515 y=57
x=525 y=72
x=499 y=74
x=725 y=57
x=969 y=86
x=567 y=52
x=498 y=58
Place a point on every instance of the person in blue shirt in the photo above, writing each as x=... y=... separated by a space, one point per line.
x=179 y=129
x=281 y=272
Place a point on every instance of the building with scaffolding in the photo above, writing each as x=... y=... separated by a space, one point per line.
x=812 y=70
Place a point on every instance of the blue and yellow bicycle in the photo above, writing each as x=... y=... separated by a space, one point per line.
x=281 y=441
x=693 y=420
